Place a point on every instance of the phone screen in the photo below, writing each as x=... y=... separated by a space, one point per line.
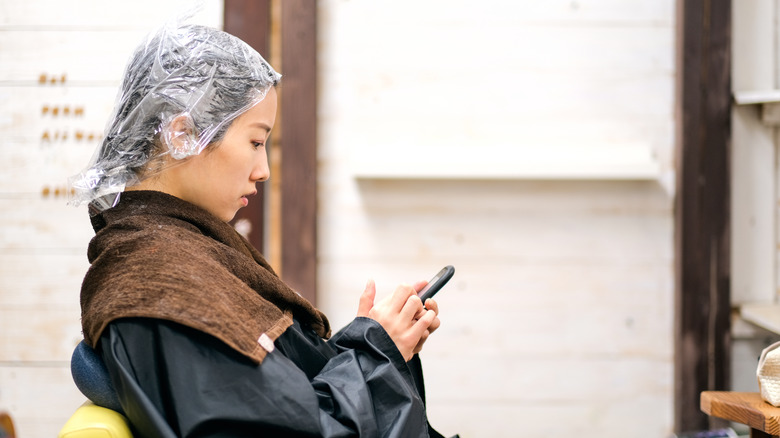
x=436 y=283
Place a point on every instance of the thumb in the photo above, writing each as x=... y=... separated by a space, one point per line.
x=367 y=299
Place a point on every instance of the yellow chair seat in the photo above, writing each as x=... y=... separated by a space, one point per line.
x=92 y=421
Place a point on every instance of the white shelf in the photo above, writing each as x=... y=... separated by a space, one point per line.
x=580 y=162
x=508 y=171
x=764 y=315
x=754 y=97
x=768 y=101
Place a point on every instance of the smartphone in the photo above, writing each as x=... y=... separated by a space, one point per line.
x=436 y=283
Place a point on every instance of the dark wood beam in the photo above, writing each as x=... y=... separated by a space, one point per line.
x=702 y=207
x=250 y=20
x=299 y=146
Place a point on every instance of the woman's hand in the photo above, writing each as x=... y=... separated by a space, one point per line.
x=402 y=315
x=430 y=305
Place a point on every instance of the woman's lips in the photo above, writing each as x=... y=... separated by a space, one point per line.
x=245 y=198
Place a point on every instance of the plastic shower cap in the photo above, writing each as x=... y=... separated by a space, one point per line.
x=202 y=77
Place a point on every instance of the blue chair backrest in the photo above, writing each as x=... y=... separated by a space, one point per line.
x=92 y=379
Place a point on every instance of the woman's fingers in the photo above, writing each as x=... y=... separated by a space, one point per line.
x=431 y=304
x=420 y=327
x=419 y=346
x=413 y=308
x=367 y=299
x=434 y=324
x=403 y=316
x=401 y=296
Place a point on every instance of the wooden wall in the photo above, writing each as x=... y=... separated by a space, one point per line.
x=528 y=144
x=754 y=207
x=702 y=207
x=60 y=66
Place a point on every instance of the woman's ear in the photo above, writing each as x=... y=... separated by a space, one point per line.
x=179 y=136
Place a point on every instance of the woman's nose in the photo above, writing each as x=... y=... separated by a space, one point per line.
x=260 y=172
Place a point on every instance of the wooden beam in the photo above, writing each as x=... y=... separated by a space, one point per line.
x=250 y=20
x=299 y=150
x=702 y=207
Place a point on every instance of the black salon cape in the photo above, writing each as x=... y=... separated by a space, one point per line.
x=176 y=381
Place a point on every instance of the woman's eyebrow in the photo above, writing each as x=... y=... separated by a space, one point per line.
x=261 y=125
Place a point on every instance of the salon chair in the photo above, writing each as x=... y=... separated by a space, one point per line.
x=93 y=421
x=102 y=416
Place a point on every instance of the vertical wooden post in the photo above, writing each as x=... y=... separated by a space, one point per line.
x=702 y=207
x=295 y=256
x=299 y=150
x=250 y=20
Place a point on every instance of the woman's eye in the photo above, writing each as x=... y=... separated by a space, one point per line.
x=257 y=144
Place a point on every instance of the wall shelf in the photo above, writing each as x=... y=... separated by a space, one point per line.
x=764 y=315
x=509 y=171
x=769 y=100
x=544 y=163
x=752 y=97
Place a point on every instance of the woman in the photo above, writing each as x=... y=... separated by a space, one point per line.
x=199 y=335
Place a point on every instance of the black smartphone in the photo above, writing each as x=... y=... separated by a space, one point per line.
x=436 y=283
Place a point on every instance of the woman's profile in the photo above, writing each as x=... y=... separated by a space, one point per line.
x=199 y=336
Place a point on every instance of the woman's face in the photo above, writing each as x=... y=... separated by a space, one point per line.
x=223 y=177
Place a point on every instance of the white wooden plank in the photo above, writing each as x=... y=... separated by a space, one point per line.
x=139 y=14
x=577 y=379
x=436 y=223
x=32 y=168
x=40 y=398
x=522 y=306
x=537 y=237
x=43 y=225
x=775 y=254
x=30 y=112
x=753 y=54
x=472 y=52
x=474 y=49
x=82 y=57
x=41 y=280
x=429 y=103
x=32 y=334
x=51 y=133
x=752 y=208
x=517 y=198
x=522 y=12
x=753 y=276
x=644 y=416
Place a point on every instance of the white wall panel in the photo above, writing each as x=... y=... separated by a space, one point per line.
x=89 y=14
x=37 y=395
x=502 y=78
x=753 y=178
x=61 y=62
x=562 y=301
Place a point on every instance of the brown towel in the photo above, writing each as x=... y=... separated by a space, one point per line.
x=156 y=256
